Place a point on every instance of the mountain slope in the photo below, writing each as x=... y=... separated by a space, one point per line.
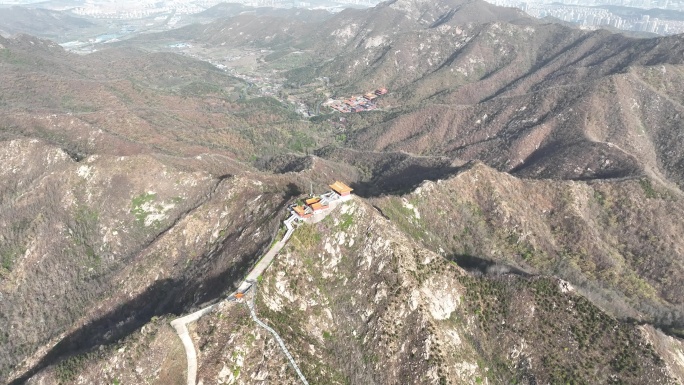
x=40 y=22
x=106 y=159
x=100 y=235
x=545 y=248
x=358 y=302
x=615 y=240
x=124 y=101
x=616 y=126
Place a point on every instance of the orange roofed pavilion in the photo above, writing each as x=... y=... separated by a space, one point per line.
x=341 y=188
x=301 y=211
x=318 y=206
x=311 y=201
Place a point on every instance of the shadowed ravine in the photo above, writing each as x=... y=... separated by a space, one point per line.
x=168 y=296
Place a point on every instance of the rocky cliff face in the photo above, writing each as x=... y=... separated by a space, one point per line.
x=616 y=239
x=518 y=216
x=93 y=249
x=357 y=301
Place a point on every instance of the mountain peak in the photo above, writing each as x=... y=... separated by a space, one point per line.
x=29 y=42
x=417 y=9
x=439 y=12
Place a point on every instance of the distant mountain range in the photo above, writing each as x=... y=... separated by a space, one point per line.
x=39 y=22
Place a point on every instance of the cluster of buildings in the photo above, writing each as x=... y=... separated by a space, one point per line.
x=589 y=15
x=675 y=5
x=111 y=9
x=661 y=27
x=598 y=17
x=139 y=9
x=357 y=103
x=339 y=192
x=305 y=4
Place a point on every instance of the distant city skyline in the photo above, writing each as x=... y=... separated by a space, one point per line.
x=587 y=14
x=175 y=9
x=126 y=3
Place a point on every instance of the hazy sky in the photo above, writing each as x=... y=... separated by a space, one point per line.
x=70 y=2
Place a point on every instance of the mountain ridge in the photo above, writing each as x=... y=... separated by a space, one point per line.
x=518 y=208
x=52 y=24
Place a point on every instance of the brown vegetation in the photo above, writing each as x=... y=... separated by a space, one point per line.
x=127 y=196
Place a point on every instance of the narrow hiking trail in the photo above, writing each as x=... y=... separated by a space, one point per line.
x=181 y=324
x=259 y=322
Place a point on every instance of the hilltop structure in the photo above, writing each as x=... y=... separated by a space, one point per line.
x=341 y=189
x=339 y=192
